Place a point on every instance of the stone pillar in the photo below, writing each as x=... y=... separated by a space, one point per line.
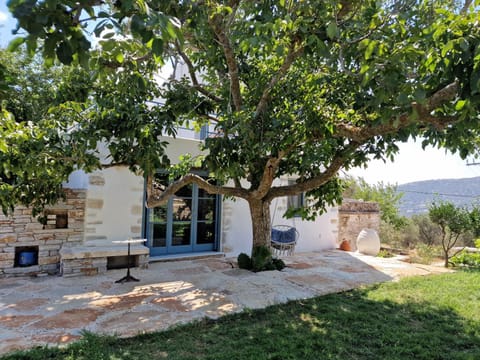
x=355 y=215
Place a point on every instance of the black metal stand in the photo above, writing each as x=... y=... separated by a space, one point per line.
x=127 y=277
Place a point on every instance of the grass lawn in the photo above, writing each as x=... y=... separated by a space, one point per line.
x=435 y=317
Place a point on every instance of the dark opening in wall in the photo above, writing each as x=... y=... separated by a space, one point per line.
x=56 y=219
x=26 y=256
x=121 y=262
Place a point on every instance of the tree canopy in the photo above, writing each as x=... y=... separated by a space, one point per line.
x=294 y=88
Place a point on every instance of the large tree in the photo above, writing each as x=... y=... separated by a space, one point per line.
x=301 y=88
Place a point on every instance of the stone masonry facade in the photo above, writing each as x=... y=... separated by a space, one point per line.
x=21 y=231
x=354 y=216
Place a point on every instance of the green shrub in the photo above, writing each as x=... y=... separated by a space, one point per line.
x=425 y=254
x=244 y=261
x=467 y=259
x=261 y=260
x=429 y=233
x=279 y=264
x=261 y=257
x=384 y=253
x=477 y=243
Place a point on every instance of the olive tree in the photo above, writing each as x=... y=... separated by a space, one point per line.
x=304 y=88
x=453 y=222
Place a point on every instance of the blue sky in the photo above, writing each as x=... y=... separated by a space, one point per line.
x=412 y=163
x=7 y=24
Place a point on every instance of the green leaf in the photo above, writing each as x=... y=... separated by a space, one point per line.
x=157 y=47
x=448 y=47
x=370 y=49
x=119 y=57
x=460 y=105
x=108 y=35
x=332 y=30
x=419 y=95
x=65 y=53
x=15 y=43
x=402 y=99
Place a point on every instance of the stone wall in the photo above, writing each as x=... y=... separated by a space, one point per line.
x=20 y=231
x=355 y=215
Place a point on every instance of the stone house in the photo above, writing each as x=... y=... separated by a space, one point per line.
x=108 y=205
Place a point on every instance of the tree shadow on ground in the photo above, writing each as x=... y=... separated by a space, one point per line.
x=337 y=326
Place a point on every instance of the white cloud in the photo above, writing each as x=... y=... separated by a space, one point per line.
x=3 y=17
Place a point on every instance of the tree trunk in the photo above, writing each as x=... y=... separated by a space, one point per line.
x=261 y=226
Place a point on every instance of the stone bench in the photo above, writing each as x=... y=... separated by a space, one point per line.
x=93 y=259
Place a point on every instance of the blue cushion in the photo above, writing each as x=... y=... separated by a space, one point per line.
x=286 y=237
x=276 y=235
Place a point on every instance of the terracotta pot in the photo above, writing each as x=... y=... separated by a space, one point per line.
x=345 y=246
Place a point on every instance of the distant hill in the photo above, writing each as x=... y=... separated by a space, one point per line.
x=417 y=196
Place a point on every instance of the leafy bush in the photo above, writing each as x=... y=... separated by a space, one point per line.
x=261 y=258
x=261 y=261
x=404 y=238
x=384 y=253
x=385 y=195
x=429 y=233
x=467 y=259
x=425 y=254
x=244 y=261
x=279 y=264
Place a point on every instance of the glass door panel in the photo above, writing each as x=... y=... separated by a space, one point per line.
x=158 y=230
x=205 y=232
x=187 y=223
x=159 y=238
x=182 y=216
x=206 y=214
x=181 y=234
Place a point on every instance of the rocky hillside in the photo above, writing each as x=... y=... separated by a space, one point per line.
x=417 y=196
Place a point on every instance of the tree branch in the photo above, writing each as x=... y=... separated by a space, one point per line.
x=442 y=96
x=317 y=181
x=153 y=200
x=268 y=176
x=193 y=76
x=216 y=24
x=293 y=53
x=466 y=6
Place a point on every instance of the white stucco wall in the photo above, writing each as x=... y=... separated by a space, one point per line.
x=319 y=234
x=181 y=146
x=236 y=233
x=114 y=206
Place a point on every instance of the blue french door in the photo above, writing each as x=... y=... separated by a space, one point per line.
x=187 y=223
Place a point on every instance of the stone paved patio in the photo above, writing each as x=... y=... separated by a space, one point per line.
x=55 y=310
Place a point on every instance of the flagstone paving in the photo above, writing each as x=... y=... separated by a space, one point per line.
x=55 y=310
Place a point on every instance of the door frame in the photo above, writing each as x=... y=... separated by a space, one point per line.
x=169 y=249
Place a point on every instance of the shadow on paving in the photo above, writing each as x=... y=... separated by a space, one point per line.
x=56 y=310
x=336 y=326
